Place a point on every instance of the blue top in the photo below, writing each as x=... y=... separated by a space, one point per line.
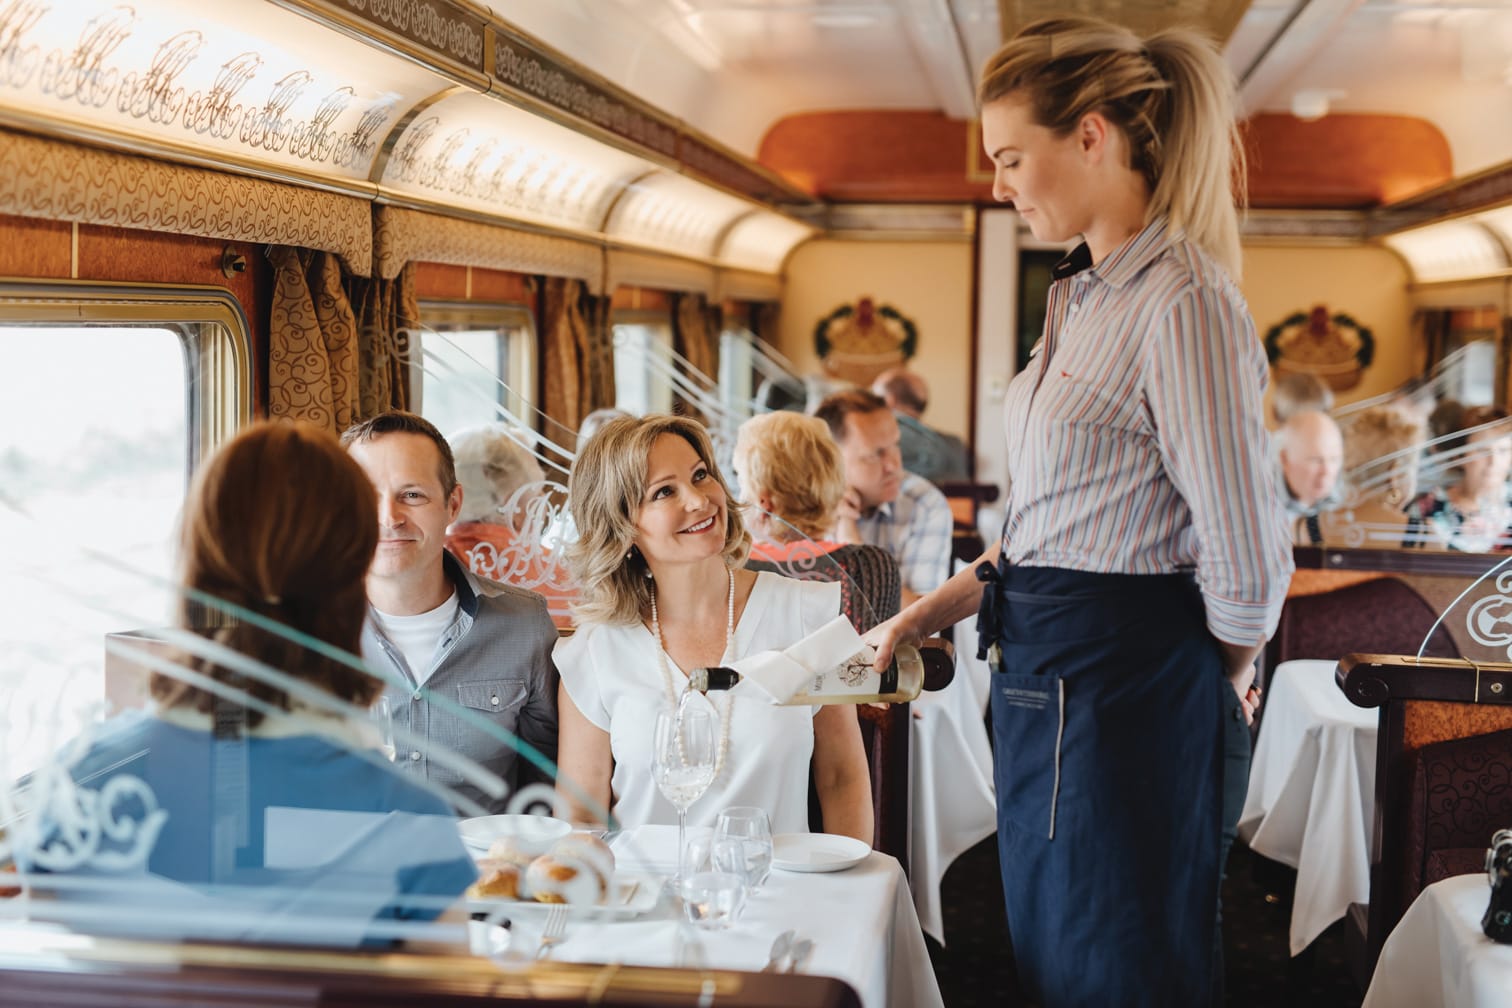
x=295 y=837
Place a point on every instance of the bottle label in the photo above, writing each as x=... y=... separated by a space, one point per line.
x=855 y=677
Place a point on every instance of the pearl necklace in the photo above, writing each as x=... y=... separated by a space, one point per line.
x=666 y=670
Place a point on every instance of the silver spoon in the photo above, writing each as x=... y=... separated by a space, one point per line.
x=780 y=948
x=801 y=950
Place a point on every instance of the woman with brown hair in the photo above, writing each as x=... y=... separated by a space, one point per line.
x=1145 y=555
x=255 y=776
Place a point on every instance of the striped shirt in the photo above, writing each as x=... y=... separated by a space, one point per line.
x=916 y=529
x=1135 y=440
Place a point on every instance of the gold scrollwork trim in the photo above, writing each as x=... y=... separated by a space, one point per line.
x=63 y=181
x=404 y=236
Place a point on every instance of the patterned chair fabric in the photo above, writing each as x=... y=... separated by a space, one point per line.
x=1382 y=616
x=869 y=594
x=1461 y=794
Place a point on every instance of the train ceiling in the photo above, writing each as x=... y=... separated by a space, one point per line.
x=646 y=124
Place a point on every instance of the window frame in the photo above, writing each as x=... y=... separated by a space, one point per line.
x=648 y=318
x=220 y=373
x=442 y=315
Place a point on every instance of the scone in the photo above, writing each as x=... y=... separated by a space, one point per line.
x=498 y=880
x=577 y=870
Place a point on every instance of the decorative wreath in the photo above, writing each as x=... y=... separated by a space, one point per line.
x=907 y=347
x=1364 y=352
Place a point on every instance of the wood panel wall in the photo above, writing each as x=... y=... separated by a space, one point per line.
x=42 y=249
x=1341 y=161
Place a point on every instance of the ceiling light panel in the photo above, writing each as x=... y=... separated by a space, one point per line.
x=1453 y=250
x=762 y=241
x=249 y=81
x=492 y=158
x=675 y=213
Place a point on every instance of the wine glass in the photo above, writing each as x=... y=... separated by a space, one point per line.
x=382 y=713
x=743 y=844
x=682 y=763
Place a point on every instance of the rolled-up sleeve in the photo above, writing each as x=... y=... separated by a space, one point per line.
x=1204 y=388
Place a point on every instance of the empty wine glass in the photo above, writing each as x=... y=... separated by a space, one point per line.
x=382 y=713
x=682 y=763
x=743 y=844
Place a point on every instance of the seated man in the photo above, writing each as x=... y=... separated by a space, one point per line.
x=1310 y=454
x=884 y=505
x=935 y=455
x=483 y=646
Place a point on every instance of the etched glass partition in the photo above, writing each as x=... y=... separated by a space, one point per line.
x=1425 y=467
x=512 y=466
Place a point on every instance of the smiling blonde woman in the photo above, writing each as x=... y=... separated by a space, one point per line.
x=663 y=591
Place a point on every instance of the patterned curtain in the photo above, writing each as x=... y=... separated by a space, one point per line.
x=695 y=334
x=573 y=356
x=338 y=346
x=313 y=352
x=599 y=352
x=386 y=310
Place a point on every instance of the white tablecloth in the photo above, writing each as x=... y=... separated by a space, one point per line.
x=950 y=767
x=1437 y=956
x=861 y=921
x=1311 y=798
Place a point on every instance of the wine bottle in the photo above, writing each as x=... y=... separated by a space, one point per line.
x=857 y=681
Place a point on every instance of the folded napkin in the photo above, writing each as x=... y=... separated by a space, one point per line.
x=780 y=675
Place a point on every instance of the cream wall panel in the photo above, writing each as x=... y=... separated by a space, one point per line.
x=1366 y=282
x=930 y=282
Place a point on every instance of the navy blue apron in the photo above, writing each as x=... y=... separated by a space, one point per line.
x=1108 y=700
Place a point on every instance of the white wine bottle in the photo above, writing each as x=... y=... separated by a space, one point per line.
x=856 y=681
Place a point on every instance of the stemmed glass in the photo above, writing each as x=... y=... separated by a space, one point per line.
x=682 y=762
x=743 y=844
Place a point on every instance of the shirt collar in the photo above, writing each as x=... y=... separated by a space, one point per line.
x=1124 y=263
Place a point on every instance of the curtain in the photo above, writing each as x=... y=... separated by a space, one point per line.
x=1433 y=325
x=386 y=310
x=695 y=334
x=312 y=353
x=763 y=321
x=337 y=346
x=578 y=372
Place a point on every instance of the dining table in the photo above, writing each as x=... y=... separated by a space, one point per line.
x=952 y=807
x=1438 y=957
x=860 y=923
x=1311 y=797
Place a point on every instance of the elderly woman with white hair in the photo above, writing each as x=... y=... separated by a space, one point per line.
x=497 y=534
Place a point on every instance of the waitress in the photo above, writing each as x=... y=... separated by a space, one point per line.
x=1145 y=555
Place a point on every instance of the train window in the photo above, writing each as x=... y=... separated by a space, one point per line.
x=737 y=372
x=108 y=397
x=1471 y=377
x=643 y=370
x=474 y=364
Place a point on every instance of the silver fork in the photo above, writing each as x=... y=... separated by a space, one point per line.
x=553 y=933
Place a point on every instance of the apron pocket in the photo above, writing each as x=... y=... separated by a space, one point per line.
x=1028 y=721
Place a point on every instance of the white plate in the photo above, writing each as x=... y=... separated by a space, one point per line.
x=633 y=894
x=534 y=832
x=817 y=852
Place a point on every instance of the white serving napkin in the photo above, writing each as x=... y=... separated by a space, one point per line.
x=778 y=675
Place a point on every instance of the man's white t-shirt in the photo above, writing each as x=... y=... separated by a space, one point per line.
x=418 y=637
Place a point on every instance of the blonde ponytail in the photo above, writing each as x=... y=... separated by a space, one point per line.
x=1172 y=97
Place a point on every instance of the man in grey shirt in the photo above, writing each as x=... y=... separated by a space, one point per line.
x=481 y=646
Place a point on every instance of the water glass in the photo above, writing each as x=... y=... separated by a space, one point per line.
x=743 y=844
x=713 y=899
x=382 y=713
